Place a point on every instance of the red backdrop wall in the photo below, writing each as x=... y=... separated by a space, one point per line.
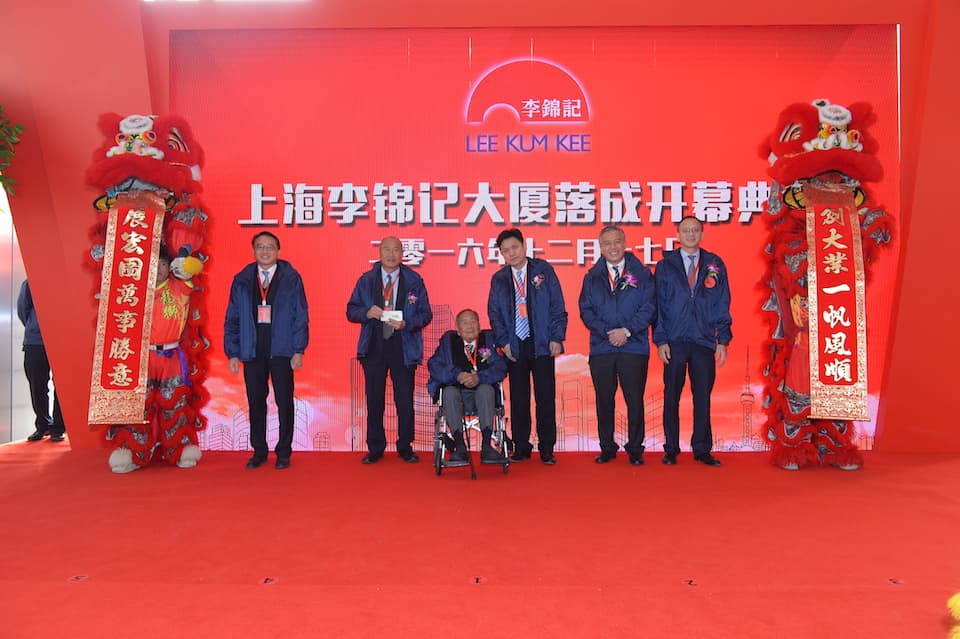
x=114 y=55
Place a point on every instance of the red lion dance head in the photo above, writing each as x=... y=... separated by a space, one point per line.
x=815 y=148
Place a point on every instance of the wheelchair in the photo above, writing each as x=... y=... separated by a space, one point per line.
x=443 y=442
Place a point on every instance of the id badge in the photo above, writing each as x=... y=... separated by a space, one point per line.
x=263 y=314
x=522 y=309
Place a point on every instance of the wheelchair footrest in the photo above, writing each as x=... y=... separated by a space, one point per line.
x=455 y=464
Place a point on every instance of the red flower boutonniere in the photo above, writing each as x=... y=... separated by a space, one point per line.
x=411 y=299
x=713 y=274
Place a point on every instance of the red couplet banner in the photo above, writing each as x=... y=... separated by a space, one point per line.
x=333 y=139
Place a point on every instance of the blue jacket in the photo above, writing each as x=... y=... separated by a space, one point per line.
x=702 y=315
x=289 y=332
x=28 y=316
x=631 y=305
x=545 y=308
x=450 y=360
x=411 y=299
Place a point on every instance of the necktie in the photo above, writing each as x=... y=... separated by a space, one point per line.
x=468 y=350
x=265 y=278
x=692 y=270
x=521 y=325
x=616 y=276
x=388 y=304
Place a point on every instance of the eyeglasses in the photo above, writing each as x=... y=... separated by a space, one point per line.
x=265 y=247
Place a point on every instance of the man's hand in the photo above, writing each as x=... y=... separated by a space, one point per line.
x=397 y=324
x=721 y=354
x=617 y=337
x=296 y=362
x=234 y=365
x=374 y=312
x=470 y=380
x=556 y=348
x=508 y=354
x=664 y=352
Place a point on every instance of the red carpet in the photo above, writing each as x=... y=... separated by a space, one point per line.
x=332 y=548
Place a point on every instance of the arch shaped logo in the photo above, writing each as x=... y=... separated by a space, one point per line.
x=534 y=90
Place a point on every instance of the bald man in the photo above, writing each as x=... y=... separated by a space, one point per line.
x=390 y=303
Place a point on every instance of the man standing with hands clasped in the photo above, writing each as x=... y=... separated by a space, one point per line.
x=617 y=305
x=266 y=328
x=692 y=333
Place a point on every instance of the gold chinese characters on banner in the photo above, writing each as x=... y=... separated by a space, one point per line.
x=838 y=325
x=118 y=384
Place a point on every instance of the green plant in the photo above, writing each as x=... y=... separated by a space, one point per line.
x=9 y=136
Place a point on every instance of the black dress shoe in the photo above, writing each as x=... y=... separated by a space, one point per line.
x=670 y=459
x=636 y=460
x=548 y=459
x=282 y=462
x=707 y=459
x=56 y=437
x=410 y=458
x=491 y=456
x=35 y=436
x=256 y=462
x=371 y=458
x=519 y=456
x=604 y=458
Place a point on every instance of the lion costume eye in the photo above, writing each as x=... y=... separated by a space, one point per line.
x=176 y=143
x=149 y=136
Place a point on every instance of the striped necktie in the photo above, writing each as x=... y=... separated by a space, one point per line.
x=521 y=324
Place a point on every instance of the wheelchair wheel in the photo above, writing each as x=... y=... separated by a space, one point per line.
x=438 y=445
x=438 y=454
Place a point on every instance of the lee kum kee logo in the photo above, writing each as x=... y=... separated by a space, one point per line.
x=536 y=92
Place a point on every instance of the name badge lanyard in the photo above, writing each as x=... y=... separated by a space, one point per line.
x=263 y=310
x=387 y=294
x=521 y=296
x=471 y=356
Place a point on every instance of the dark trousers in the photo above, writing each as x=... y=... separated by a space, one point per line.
x=386 y=356
x=459 y=401
x=545 y=393
x=37 y=368
x=256 y=372
x=700 y=362
x=630 y=370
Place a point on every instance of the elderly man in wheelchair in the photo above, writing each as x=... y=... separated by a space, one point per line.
x=465 y=372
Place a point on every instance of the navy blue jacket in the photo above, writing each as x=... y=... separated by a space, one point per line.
x=289 y=332
x=631 y=305
x=545 y=308
x=701 y=316
x=28 y=316
x=450 y=360
x=411 y=299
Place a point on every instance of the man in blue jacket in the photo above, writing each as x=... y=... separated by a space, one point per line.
x=464 y=369
x=529 y=321
x=691 y=333
x=618 y=304
x=391 y=304
x=36 y=366
x=266 y=328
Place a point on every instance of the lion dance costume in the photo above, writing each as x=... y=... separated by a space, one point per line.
x=817 y=147
x=159 y=155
